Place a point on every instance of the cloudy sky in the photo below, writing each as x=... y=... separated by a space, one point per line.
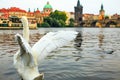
x=89 y=6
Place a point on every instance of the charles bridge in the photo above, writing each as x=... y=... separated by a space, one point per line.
x=101 y=23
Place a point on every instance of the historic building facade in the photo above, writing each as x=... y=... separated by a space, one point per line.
x=11 y=16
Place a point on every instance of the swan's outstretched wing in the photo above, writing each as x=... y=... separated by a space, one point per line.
x=51 y=41
x=24 y=55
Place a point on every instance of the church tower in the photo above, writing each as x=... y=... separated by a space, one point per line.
x=78 y=13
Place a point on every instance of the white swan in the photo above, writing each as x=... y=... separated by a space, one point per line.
x=26 y=59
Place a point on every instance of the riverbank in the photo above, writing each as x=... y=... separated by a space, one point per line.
x=10 y=28
x=13 y=28
x=20 y=28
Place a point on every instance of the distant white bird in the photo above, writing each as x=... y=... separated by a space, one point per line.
x=26 y=59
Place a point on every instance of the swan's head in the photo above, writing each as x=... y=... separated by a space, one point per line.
x=40 y=77
x=24 y=21
x=18 y=38
x=29 y=77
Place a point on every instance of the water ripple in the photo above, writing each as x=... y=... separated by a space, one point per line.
x=90 y=62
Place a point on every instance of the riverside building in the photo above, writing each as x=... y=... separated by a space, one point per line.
x=11 y=17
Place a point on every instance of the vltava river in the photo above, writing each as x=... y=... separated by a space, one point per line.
x=90 y=62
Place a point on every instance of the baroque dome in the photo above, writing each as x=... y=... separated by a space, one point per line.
x=48 y=5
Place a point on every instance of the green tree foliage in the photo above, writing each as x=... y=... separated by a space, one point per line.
x=45 y=24
x=48 y=20
x=59 y=15
x=56 y=19
x=55 y=23
x=71 y=20
x=62 y=23
x=38 y=25
x=106 y=17
x=71 y=24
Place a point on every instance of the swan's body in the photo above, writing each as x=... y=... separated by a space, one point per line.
x=23 y=60
x=26 y=59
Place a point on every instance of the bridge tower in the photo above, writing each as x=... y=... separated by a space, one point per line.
x=101 y=13
x=78 y=13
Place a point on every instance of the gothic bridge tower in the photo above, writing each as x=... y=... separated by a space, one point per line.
x=78 y=13
x=101 y=13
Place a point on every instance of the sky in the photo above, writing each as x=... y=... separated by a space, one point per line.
x=89 y=6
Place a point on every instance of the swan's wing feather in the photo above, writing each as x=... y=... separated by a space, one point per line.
x=51 y=41
x=25 y=53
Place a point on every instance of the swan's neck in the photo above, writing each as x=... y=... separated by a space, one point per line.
x=26 y=31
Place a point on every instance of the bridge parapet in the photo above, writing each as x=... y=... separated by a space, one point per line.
x=101 y=23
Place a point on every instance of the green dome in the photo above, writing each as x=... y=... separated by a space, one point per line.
x=47 y=5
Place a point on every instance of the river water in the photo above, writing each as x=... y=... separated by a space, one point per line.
x=90 y=62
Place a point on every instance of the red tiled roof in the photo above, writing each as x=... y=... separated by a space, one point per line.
x=30 y=13
x=12 y=9
x=15 y=9
x=3 y=10
x=37 y=11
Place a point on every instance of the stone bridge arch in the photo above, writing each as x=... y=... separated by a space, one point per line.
x=109 y=23
x=93 y=23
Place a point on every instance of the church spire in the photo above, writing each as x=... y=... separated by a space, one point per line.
x=48 y=2
x=37 y=9
x=29 y=10
x=78 y=3
x=102 y=7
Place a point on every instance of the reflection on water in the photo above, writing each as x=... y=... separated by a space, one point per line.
x=90 y=62
x=100 y=38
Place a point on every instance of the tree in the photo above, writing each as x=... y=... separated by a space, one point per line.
x=56 y=23
x=62 y=23
x=48 y=20
x=56 y=19
x=71 y=20
x=45 y=24
x=59 y=15
x=71 y=24
x=106 y=17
